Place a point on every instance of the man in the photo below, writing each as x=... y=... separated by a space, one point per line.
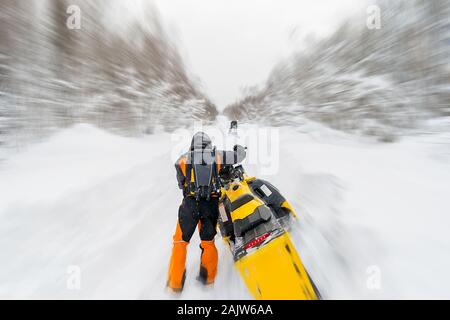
x=197 y=175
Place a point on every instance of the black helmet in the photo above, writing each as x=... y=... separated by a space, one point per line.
x=201 y=141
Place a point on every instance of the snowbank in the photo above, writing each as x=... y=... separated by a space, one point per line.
x=108 y=205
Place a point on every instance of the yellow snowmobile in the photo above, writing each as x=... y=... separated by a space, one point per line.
x=254 y=219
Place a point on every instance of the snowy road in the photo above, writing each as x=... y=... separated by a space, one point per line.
x=373 y=217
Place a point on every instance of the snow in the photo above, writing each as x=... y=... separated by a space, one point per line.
x=365 y=205
x=108 y=205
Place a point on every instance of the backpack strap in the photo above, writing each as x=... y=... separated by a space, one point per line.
x=217 y=166
x=188 y=173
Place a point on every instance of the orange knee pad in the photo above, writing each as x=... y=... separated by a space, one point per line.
x=208 y=264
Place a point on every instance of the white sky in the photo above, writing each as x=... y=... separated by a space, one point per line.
x=230 y=44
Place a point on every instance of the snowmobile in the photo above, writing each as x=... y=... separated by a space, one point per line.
x=254 y=221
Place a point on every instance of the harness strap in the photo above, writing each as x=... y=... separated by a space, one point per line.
x=188 y=176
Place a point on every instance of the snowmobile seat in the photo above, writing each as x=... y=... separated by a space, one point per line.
x=261 y=215
x=271 y=196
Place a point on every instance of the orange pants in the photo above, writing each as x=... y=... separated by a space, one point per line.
x=177 y=268
x=202 y=214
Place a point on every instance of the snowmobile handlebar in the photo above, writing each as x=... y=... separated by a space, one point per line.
x=231 y=172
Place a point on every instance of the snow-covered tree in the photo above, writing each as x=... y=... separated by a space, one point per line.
x=52 y=76
x=368 y=81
